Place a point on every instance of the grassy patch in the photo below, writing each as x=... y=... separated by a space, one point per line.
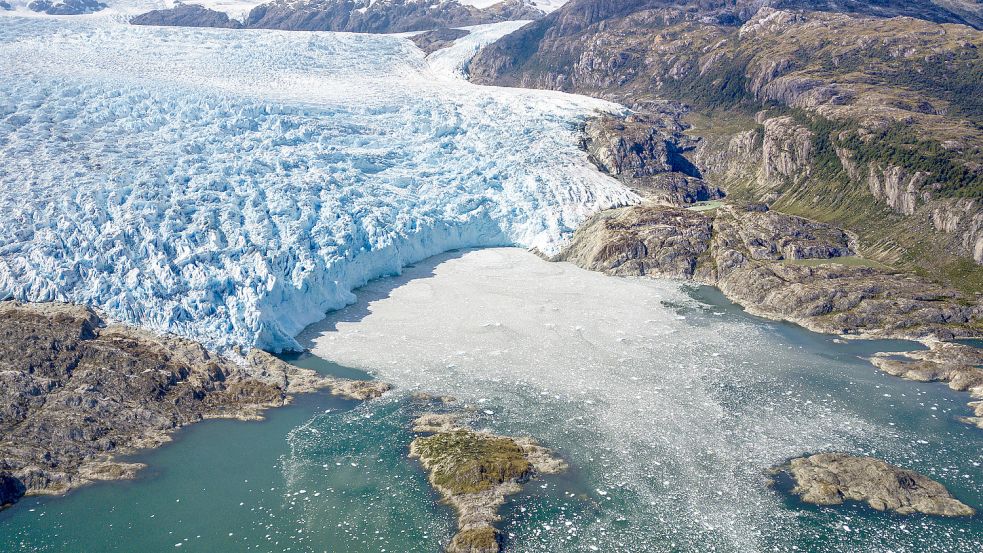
x=468 y=462
x=475 y=539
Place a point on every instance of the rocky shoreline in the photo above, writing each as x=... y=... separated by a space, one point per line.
x=775 y=265
x=76 y=393
x=474 y=471
x=954 y=364
x=834 y=478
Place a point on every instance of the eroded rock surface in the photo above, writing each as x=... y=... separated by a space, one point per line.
x=834 y=478
x=75 y=393
x=955 y=364
x=474 y=472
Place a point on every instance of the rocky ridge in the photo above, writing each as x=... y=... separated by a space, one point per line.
x=474 y=471
x=357 y=16
x=76 y=392
x=834 y=478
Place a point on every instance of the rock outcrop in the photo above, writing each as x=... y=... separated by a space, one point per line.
x=474 y=472
x=75 y=393
x=955 y=364
x=431 y=41
x=187 y=15
x=646 y=153
x=834 y=478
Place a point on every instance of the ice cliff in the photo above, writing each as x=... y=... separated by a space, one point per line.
x=233 y=186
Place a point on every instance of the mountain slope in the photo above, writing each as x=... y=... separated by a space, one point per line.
x=870 y=123
x=360 y=16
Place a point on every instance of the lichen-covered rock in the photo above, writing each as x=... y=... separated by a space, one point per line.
x=474 y=472
x=833 y=478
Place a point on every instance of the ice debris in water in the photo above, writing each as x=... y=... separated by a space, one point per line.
x=233 y=187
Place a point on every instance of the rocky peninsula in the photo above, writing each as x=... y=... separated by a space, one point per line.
x=77 y=392
x=474 y=471
x=955 y=364
x=834 y=478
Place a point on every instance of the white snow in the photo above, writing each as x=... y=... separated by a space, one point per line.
x=233 y=186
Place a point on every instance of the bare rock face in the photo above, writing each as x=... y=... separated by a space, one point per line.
x=431 y=41
x=955 y=364
x=474 y=472
x=833 y=478
x=787 y=150
x=646 y=153
x=66 y=7
x=75 y=392
x=896 y=187
x=643 y=240
x=187 y=15
x=963 y=218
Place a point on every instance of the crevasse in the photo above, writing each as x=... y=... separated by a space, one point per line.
x=233 y=186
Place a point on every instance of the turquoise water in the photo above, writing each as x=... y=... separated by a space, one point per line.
x=327 y=474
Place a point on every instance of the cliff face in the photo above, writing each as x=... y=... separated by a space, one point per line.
x=844 y=112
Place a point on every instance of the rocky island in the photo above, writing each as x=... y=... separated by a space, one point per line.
x=474 y=471
x=76 y=392
x=834 y=478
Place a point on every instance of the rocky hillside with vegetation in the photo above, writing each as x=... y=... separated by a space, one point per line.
x=864 y=115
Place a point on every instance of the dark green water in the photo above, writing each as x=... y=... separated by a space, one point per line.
x=679 y=469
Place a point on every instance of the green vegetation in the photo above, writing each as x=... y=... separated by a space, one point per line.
x=897 y=145
x=484 y=538
x=464 y=461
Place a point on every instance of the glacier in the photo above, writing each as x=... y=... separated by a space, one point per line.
x=234 y=186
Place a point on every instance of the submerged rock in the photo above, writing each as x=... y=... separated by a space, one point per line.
x=474 y=472
x=75 y=392
x=833 y=478
x=955 y=364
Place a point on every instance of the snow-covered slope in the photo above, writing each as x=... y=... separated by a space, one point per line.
x=232 y=186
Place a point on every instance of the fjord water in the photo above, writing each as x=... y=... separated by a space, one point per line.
x=672 y=460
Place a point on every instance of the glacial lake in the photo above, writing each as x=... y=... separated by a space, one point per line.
x=667 y=449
